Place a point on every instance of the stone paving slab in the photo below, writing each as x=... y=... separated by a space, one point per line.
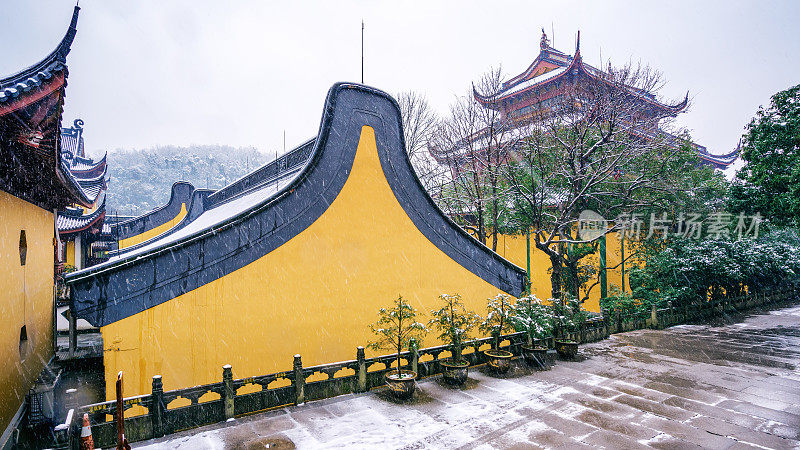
x=728 y=385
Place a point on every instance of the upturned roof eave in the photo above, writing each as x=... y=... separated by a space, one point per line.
x=57 y=55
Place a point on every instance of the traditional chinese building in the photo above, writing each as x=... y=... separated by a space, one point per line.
x=35 y=182
x=85 y=238
x=522 y=101
x=533 y=93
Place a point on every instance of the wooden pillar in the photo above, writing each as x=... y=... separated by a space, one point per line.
x=528 y=259
x=603 y=274
x=73 y=334
x=622 y=259
x=78 y=247
x=230 y=392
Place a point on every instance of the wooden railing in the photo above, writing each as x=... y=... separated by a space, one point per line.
x=220 y=401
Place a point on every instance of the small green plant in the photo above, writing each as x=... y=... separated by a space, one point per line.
x=397 y=329
x=619 y=301
x=532 y=317
x=567 y=314
x=454 y=323
x=498 y=318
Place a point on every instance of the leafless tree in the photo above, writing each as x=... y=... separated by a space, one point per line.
x=470 y=143
x=494 y=152
x=599 y=143
x=419 y=122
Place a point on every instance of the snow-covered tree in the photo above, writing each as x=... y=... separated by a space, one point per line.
x=397 y=329
x=769 y=182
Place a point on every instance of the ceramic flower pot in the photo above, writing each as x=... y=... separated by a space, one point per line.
x=566 y=348
x=499 y=360
x=455 y=372
x=402 y=385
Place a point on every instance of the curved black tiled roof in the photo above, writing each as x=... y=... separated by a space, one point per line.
x=262 y=213
x=182 y=193
x=72 y=140
x=73 y=220
x=32 y=77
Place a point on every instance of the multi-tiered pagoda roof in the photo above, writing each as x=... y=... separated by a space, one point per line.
x=90 y=176
x=520 y=98
x=76 y=220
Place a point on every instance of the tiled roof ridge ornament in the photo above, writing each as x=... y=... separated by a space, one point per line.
x=24 y=80
x=544 y=44
x=577 y=61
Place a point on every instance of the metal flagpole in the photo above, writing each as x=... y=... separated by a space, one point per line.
x=362 y=51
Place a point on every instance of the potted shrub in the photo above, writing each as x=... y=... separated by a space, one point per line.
x=498 y=321
x=567 y=316
x=454 y=323
x=396 y=330
x=535 y=319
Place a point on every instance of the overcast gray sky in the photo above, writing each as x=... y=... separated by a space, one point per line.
x=144 y=73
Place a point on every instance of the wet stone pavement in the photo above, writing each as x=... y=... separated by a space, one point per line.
x=723 y=385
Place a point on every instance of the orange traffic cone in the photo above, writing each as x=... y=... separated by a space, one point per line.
x=87 y=443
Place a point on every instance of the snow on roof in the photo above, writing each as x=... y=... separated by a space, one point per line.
x=533 y=81
x=213 y=217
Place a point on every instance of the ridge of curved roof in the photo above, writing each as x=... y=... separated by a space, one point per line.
x=512 y=87
x=181 y=193
x=15 y=84
x=74 y=220
x=245 y=227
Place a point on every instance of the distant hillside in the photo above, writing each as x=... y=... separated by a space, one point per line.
x=140 y=180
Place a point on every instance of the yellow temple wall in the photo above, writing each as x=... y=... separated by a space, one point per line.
x=514 y=248
x=147 y=235
x=69 y=248
x=315 y=295
x=26 y=299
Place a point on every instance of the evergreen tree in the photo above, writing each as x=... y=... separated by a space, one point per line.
x=769 y=182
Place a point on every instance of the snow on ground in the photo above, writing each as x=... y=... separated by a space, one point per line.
x=210 y=440
x=707 y=386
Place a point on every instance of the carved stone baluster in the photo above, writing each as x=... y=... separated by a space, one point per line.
x=157 y=407
x=299 y=381
x=362 y=370
x=229 y=393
